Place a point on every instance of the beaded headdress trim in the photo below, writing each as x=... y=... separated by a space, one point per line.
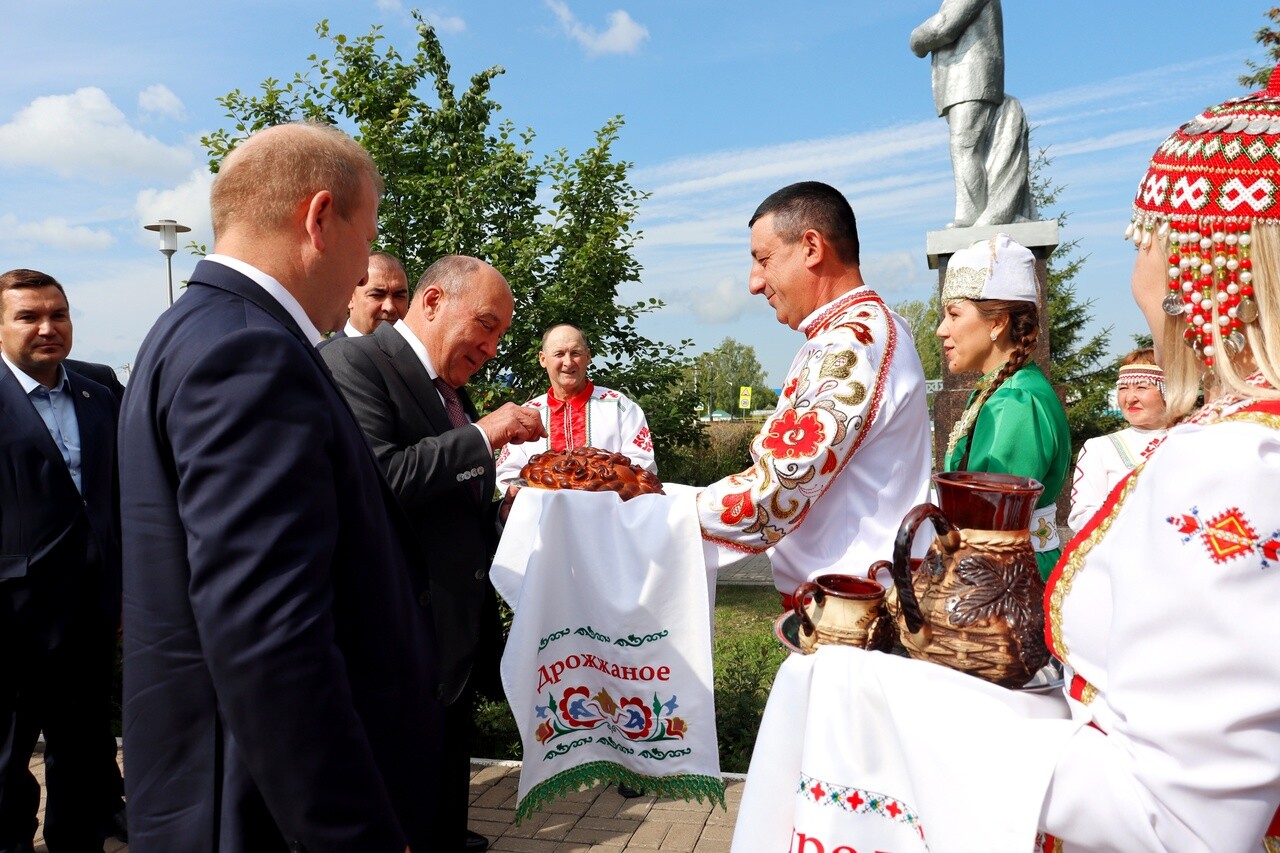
x=1141 y=374
x=1207 y=187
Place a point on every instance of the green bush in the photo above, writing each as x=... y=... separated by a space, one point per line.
x=728 y=451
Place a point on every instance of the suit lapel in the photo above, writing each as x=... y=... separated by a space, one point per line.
x=216 y=275
x=468 y=406
x=414 y=375
x=18 y=406
x=92 y=447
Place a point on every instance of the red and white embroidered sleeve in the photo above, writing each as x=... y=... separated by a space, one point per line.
x=829 y=401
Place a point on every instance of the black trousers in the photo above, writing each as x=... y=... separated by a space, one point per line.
x=455 y=771
x=66 y=693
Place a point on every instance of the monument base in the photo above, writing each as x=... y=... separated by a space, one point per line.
x=1034 y=235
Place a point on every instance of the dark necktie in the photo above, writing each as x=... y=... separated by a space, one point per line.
x=458 y=418
x=452 y=403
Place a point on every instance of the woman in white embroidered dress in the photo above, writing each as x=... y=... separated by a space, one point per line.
x=1104 y=460
x=1162 y=608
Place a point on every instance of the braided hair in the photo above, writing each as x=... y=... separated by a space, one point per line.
x=1024 y=331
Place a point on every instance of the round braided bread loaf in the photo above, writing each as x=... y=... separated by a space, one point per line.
x=592 y=470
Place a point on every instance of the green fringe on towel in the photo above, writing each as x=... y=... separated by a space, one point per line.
x=683 y=787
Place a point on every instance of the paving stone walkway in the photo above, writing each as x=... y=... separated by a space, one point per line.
x=597 y=820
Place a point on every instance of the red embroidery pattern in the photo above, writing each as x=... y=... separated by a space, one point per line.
x=1227 y=536
x=860 y=801
x=794 y=435
x=797 y=432
x=634 y=717
x=643 y=440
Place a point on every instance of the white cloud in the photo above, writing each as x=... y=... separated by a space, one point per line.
x=159 y=99
x=54 y=233
x=727 y=302
x=85 y=135
x=444 y=23
x=188 y=203
x=892 y=272
x=441 y=22
x=623 y=35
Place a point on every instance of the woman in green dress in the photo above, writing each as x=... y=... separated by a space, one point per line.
x=1014 y=423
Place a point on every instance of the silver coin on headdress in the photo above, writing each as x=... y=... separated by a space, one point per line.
x=1247 y=312
x=1234 y=343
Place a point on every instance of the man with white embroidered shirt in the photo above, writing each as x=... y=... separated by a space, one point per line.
x=846 y=453
x=578 y=413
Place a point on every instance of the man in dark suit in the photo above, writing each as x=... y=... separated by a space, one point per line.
x=280 y=660
x=59 y=574
x=401 y=382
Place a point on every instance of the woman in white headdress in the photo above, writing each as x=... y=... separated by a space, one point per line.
x=1103 y=461
x=1014 y=423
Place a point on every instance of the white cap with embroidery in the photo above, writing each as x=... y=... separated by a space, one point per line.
x=991 y=269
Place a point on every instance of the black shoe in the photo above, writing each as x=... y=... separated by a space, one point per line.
x=118 y=827
x=629 y=792
x=475 y=843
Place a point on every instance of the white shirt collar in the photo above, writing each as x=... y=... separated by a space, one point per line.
x=275 y=290
x=417 y=347
x=351 y=331
x=29 y=384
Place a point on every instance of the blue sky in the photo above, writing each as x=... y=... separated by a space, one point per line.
x=724 y=102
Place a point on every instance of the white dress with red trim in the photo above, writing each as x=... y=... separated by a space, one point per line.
x=1162 y=609
x=1102 y=462
x=597 y=417
x=855 y=389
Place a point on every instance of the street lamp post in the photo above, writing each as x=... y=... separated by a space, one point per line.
x=169 y=231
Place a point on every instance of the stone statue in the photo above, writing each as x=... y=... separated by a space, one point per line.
x=989 y=133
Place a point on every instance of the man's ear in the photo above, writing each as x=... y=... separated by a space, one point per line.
x=815 y=248
x=430 y=296
x=318 y=215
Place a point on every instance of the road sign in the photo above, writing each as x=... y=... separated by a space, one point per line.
x=744 y=397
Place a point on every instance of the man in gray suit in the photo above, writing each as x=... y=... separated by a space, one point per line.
x=405 y=384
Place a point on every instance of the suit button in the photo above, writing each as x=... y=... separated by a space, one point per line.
x=424 y=598
x=480 y=574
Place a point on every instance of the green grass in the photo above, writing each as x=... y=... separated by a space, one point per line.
x=746 y=657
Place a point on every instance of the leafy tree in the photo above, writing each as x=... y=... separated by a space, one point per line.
x=923 y=317
x=460 y=182
x=1269 y=37
x=719 y=374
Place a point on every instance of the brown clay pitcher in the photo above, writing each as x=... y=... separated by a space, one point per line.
x=976 y=601
x=843 y=610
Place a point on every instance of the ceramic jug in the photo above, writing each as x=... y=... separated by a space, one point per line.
x=976 y=601
x=843 y=610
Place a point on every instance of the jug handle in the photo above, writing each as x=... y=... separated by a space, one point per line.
x=803 y=591
x=877 y=567
x=901 y=566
